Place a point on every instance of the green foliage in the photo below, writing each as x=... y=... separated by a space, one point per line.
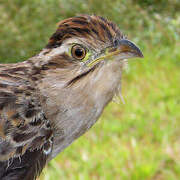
x=135 y=141
x=161 y=6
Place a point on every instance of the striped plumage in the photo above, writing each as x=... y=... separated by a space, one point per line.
x=23 y=124
x=91 y=27
x=54 y=97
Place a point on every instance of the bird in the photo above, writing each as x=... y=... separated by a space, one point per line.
x=54 y=97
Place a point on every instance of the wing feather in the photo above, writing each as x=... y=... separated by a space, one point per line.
x=24 y=128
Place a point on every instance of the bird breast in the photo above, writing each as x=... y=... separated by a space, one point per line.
x=73 y=109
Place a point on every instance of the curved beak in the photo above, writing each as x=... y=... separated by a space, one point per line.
x=127 y=48
x=122 y=49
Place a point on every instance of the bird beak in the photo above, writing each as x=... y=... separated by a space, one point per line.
x=126 y=48
x=123 y=49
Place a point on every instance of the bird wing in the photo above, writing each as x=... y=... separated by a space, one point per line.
x=24 y=127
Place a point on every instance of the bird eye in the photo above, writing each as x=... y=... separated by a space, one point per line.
x=78 y=52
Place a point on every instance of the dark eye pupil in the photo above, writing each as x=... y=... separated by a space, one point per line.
x=78 y=52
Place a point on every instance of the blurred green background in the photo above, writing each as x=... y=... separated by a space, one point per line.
x=139 y=140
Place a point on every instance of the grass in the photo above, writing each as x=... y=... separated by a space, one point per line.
x=138 y=140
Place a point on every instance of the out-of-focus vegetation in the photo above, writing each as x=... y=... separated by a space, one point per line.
x=136 y=141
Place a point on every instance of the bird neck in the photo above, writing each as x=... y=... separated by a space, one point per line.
x=74 y=108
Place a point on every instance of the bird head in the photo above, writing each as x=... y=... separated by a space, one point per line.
x=87 y=47
x=86 y=41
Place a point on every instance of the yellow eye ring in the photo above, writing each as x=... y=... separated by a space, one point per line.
x=78 y=52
